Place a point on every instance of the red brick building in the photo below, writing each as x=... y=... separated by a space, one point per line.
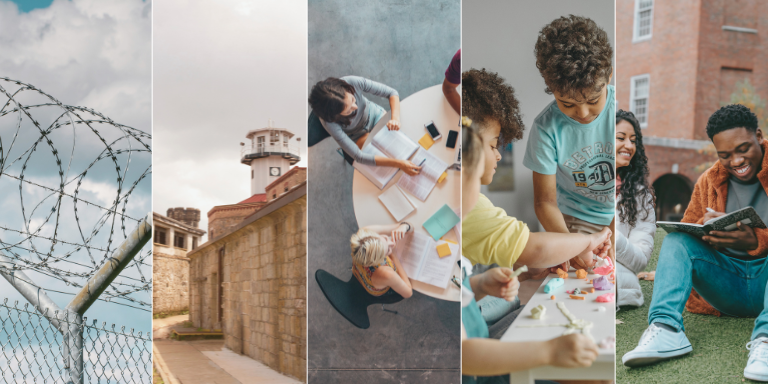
x=677 y=63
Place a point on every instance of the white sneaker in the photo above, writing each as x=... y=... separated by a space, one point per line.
x=757 y=365
x=657 y=344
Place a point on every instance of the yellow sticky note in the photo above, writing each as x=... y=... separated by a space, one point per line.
x=442 y=177
x=426 y=141
x=443 y=250
x=450 y=241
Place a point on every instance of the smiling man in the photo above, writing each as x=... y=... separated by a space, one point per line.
x=570 y=149
x=735 y=260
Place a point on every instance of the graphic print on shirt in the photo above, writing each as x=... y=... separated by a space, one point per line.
x=592 y=171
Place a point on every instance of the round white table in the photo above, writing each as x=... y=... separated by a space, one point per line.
x=415 y=111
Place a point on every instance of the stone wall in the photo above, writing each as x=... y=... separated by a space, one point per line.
x=259 y=271
x=170 y=275
x=223 y=218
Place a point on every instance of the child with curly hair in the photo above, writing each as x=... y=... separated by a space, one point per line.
x=571 y=149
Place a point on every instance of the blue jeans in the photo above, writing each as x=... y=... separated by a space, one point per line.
x=734 y=287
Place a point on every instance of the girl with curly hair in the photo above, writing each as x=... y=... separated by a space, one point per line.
x=634 y=208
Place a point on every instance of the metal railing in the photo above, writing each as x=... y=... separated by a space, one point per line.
x=258 y=150
x=32 y=346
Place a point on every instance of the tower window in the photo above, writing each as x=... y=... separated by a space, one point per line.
x=260 y=142
x=274 y=137
x=251 y=174
x=160 y=236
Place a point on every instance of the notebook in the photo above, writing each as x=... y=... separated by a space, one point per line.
x=441 y=222
x=418 y=255
x=386 y=143
x=747 y=216
x=397 y=203
x=422 y=184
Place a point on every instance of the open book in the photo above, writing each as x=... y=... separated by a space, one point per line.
x=418 y=255
x=422 y=184
x=747 y=216
x=396 y=203
x=386 y=143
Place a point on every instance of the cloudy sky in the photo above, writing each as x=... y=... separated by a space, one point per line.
x=221 y=68
x=90 y=53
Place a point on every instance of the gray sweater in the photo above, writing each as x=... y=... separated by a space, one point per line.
x=359 y=125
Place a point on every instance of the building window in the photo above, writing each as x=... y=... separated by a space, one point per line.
x=251 y=174
x=160 y=236
x=260 y=142
x=285 y=140
x=643 y=20
x=274 y=137
x=178 y=241
x=194 y=242
x=638 y=98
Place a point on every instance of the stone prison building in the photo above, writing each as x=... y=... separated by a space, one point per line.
x=249 y=280
x=175 y=235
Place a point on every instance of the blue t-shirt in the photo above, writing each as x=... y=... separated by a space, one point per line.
x=581 y=155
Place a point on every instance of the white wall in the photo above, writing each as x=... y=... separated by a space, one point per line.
x=499 y=35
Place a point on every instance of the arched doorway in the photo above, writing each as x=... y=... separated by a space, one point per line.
x=673 y=193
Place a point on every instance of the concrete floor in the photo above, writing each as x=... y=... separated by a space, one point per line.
x=406 y=44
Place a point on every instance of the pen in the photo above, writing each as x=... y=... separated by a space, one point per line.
x=710 y=210
x=422 y=162
x=454 y=280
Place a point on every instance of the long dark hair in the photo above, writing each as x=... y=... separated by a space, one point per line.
x=327 y=99
x=634 y=177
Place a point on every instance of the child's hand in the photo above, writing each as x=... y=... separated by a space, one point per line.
x=409 y=168
x=393 y=125
x=599 y=244
x=496 y=282
x=572 y=351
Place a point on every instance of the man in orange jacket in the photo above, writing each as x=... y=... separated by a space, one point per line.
x=736 y=260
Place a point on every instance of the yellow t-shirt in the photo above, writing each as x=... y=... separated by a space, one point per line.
x=489 y=236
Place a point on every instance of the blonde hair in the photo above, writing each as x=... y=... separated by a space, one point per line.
x=368 y=249
x=471 y=148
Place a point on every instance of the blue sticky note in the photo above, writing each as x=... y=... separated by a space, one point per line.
x=441 y=222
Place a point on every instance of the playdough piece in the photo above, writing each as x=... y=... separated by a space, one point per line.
x=581 y=274
x=520 y=270
x=443 y=250
x=577 y=291
x=606 y=298
x=602 y=284
x=552 y=297
x=538 y=312
x=601 y=309
x=607 y=343
x=552 y=284
x=603 y=267
x=592 y=290
x=562 y=274
x=576 y=297
x=442 y=177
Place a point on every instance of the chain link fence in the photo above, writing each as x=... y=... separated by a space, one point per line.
x=33 y=349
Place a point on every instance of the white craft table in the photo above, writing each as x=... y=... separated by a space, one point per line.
x=415 y=111
x=603 y=326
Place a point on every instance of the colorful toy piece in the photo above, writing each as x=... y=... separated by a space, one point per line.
x=552 y=297
x=581 y=274
x=603 y=267
x=576 y=297
x=520 y=270
x=552 y=284
x=538 y=312
x=562 y=274
x=606 y=298
x=602 y=284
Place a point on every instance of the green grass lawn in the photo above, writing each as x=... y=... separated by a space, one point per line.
x=719 y=353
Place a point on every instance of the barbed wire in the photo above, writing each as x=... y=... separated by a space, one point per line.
x=66 y=176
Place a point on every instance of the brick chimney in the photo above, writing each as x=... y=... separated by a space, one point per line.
x=188 y=216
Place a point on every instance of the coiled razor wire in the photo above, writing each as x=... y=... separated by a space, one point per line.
x=32 y=348
x=66 y=176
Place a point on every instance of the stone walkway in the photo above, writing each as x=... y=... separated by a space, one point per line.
x=208 y=362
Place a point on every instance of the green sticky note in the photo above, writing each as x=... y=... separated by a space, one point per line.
x=441 y=222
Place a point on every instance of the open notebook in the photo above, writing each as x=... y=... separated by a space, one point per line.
x=386 y=143
x=422 y=184
x=747 y=216
x=418 y=255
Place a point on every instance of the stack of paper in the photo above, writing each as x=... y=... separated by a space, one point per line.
x=397 y=203
x=386 y=143
x=422 y=184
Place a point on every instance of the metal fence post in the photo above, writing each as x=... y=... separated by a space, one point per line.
x=73 y=348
